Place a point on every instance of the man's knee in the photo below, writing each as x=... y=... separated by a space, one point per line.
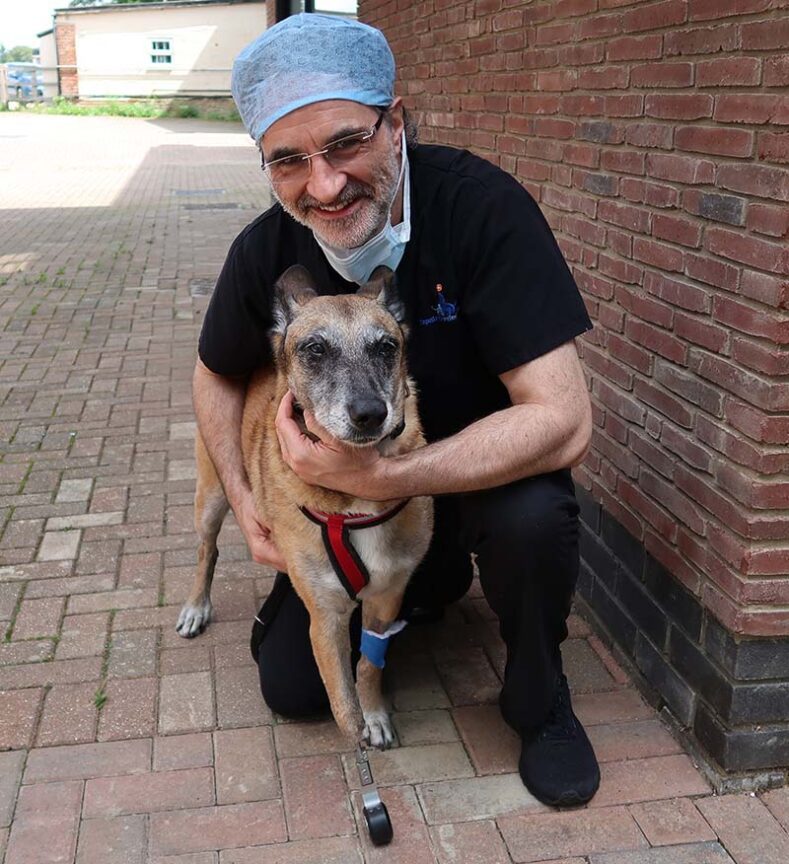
x=290 y=695
x=534 y=514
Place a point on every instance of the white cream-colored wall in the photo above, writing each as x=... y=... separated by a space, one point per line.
x=114 y=48
x=48 y=59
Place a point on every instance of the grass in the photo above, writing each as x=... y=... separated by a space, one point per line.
x=145 y=108
x=100 y=698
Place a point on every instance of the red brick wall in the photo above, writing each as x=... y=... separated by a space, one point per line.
x=653 y=135
x=66 y=47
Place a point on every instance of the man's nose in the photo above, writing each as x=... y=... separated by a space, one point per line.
x=325 y=182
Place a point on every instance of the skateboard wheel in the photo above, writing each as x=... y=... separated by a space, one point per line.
x=378 y=824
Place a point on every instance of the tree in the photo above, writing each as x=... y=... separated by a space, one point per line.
x=17 y=54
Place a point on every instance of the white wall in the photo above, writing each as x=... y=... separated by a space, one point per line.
x=48 y=58
x=114 y=47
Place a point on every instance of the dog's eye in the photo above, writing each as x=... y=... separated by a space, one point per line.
x=315 y=349
x=385 y=348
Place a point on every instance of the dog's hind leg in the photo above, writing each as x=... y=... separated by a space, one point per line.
x=378 y=613
x=210 y=510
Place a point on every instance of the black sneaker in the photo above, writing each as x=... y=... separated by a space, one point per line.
x=557 y=763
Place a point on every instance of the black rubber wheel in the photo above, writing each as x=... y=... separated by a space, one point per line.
x=379 y=825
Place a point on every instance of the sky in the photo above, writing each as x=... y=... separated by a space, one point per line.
x=20 y=20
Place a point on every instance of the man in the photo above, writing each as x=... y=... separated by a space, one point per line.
x=492 y=311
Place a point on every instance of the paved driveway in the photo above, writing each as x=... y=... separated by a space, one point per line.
x=126 y=744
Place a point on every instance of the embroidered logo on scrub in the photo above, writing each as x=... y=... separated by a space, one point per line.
x=444 y=310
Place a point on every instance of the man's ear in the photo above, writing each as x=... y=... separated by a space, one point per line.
x=382 y=287
x=292 y=290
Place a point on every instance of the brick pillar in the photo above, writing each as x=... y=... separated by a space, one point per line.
x=65 y=41
x=652 y=135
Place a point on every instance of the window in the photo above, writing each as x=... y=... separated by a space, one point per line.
x=161 y=54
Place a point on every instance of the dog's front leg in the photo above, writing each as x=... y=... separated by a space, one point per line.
x=331 y=646
x=378 y=614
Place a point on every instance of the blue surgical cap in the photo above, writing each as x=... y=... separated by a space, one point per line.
x=309 y=58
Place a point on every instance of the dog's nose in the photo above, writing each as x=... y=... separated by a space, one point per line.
x=367 y=413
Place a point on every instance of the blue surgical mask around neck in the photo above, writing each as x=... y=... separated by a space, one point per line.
x=386 y=247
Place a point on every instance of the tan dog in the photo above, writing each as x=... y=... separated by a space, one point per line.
x=343 y=358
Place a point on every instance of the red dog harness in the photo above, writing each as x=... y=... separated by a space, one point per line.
x=345 y=560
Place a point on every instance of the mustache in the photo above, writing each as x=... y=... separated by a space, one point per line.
x=352 y=191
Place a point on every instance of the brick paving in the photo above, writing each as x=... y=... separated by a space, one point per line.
x=122 y=742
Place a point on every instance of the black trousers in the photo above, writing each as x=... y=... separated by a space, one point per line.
x=525 y=536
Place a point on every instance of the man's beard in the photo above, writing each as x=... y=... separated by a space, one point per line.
x=365 y=222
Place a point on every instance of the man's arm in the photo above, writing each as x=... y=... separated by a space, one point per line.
x=219 y=406
x=547 y=427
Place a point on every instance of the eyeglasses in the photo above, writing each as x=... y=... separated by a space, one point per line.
x=338 y=154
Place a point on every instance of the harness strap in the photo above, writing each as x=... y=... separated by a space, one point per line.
x=345 y=560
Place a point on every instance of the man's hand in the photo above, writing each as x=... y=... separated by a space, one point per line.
x=257 y=535
x=327 y=462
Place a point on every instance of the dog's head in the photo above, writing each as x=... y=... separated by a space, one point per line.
x=343 y=356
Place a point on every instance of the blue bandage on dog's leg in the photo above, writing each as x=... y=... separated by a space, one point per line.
x=374 y=645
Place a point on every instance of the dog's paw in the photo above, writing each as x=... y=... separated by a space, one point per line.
x=193 y=619
x=378 y=730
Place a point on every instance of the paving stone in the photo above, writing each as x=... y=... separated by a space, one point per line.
x=467 y=676
x=228 y=827
x=312 y=738
x=83 y=636
x=130 y=709
x=49 y=810
x=494 y=747
x=475 y=798
x=615 y=707
x=9 y=596
x=414 y=764
x=112 y=841
x=185 y=703
x=74 y=490
x=315 y=797
x=326 y=850
x=129 y=598
x=59 y=546
x=585 y=671
x=238 y=698
x=415 y=685
x=231 y=656
x=18 y=715
x=148 y=793
x=55 y=672
x=11 y=765
x=697 y=853
x=69 y=715
x=83 y=520
x=38 y=618
x=192 y=858
x=133 y=654
x=246 y=769
x=777 y=802
x=676 y=821
x=614 y=742
x=424 y=727
x=584 y=832
x=183 y=751
x=176 y=661
x=648 y=780
x=411 y=842
x=140 y=571
x=33 y=651
x=747 y=829
x=82 y=761
x=469 y=843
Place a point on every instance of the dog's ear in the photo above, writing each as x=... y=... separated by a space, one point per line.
x=292 y=290
x=382 y=287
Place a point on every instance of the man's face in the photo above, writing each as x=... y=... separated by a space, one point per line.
x=345 y=206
